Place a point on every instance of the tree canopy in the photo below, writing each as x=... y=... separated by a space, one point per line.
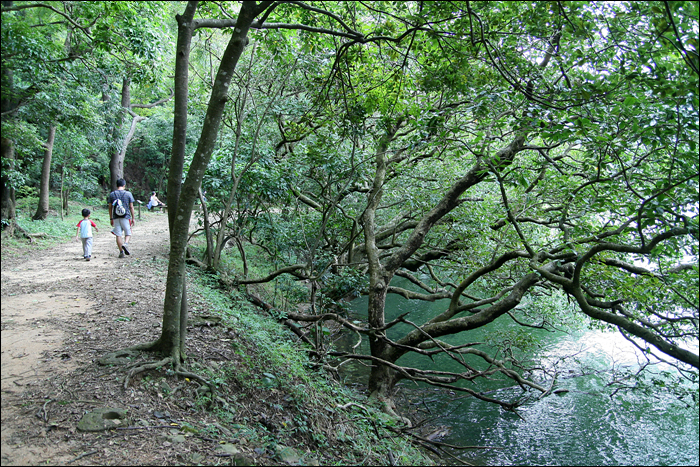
x=507 y=156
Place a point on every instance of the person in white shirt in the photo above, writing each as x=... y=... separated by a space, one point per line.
x=154 y=201
x=84 y=233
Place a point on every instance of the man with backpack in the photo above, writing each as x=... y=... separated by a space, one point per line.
x=121 y=215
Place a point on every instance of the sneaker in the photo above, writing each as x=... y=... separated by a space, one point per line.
x=121 y=254
x=125 y=247
x=87 y=258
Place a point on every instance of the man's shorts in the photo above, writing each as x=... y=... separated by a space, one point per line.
x=121 y=223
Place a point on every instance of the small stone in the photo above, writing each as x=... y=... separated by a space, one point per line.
x=242 y=459
x=177 y=439
x=102 y=419
x=287 y=455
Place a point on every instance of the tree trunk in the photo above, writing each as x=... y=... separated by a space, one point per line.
x=380 y=379
x=116 y=163
x=181 y=197
x=43 y=208
x=63 y=178
x=228 y=208
x=208 y=254
x=244 y=258
x=65 y=197
x=7 y=150
x=7 y=197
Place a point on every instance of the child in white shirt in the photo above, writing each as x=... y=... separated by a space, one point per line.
x=84 y=232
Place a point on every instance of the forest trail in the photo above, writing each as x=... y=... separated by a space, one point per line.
x=52 y=301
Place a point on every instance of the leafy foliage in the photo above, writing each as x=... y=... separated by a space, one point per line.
x=505 y=155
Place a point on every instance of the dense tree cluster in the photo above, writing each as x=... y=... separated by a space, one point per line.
x=512 y=157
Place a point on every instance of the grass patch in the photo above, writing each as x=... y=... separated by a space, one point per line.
x=294 y=404
x=57 y=230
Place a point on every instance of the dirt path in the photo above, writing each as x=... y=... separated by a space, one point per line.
x=60 y=313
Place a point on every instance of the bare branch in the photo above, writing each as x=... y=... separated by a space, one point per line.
x=293 y=270
x=158 y=102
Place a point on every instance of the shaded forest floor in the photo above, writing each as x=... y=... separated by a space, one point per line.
x=61 y=314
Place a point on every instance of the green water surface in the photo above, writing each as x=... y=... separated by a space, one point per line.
x=585 y=426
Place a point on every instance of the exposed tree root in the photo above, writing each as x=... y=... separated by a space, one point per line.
x=81 y=456
x=389 y=408
x=12 y=229
x=177 y=367
x=146 y=346
x=194 y=261
x=211 y=386
x=145 y=367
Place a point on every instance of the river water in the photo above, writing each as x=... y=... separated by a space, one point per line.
x=588 y=425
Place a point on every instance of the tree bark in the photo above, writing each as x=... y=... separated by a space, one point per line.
x=177 y=159
x=171 y=339
x=63 y=195
x=116 y=163
x=43 y=208
x=380 y=379
x=7 y=197
x=208 y=254
x=7 y=150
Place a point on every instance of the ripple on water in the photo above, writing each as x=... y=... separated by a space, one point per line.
x=584 y=426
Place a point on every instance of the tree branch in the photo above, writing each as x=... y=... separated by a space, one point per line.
x=161 y=101
x=286 y=270
x=85 y=30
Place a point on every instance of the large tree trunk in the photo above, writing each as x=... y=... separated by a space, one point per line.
x=43 y=208
x=181 y=198
x=380 y=379
x=171 y=341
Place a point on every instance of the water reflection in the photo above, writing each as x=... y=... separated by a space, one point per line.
x=584 y=426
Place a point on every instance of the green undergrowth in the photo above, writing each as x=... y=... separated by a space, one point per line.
x=281 y=399
x=57 y=230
